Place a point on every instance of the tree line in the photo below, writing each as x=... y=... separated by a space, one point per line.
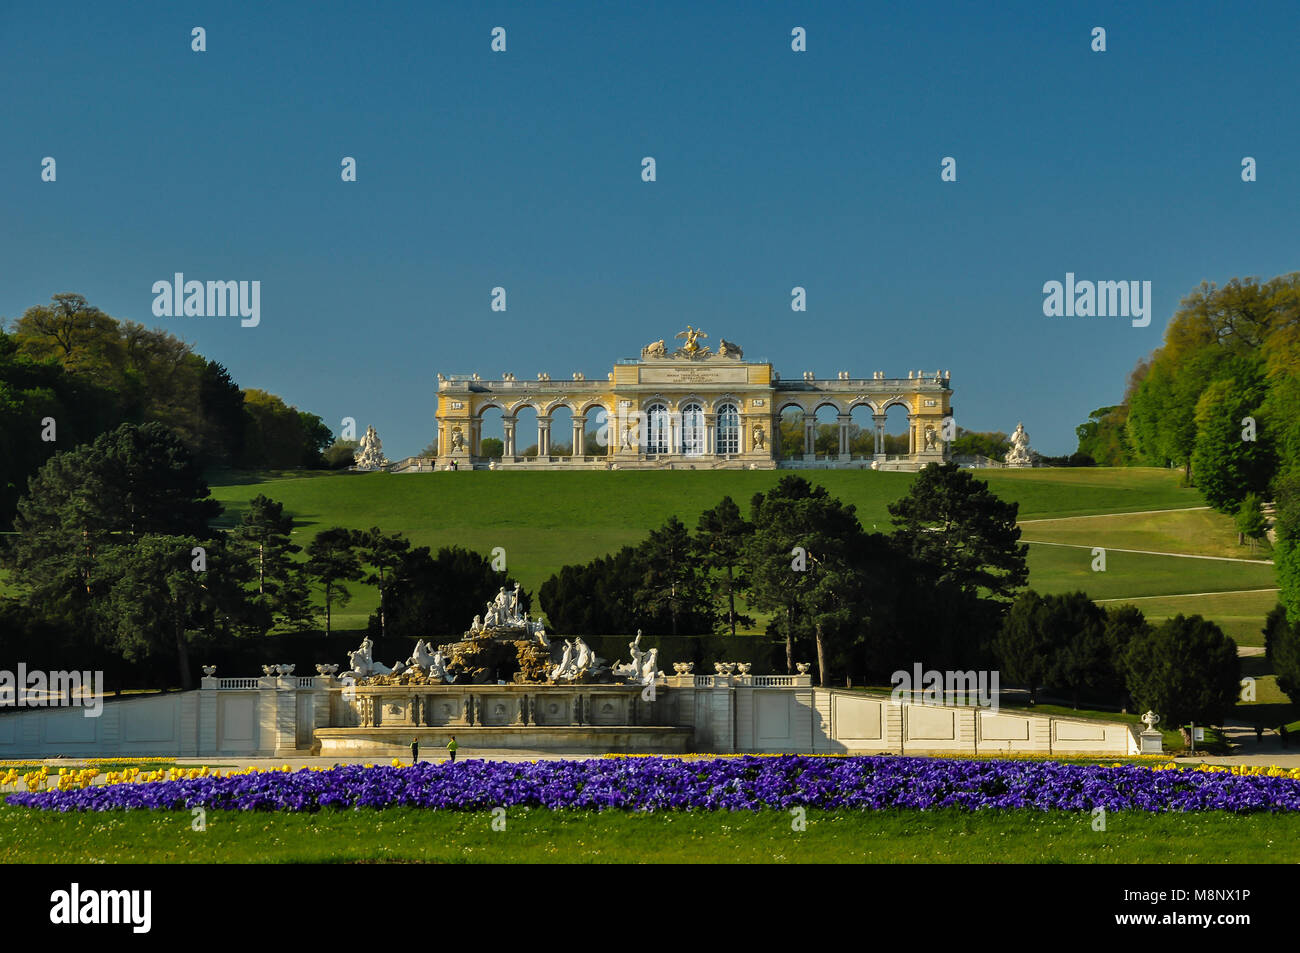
x=944 y=588
x=115 y=555
x=85 y=373
x=1218 y=399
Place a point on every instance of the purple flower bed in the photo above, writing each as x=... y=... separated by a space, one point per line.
x=659 y=784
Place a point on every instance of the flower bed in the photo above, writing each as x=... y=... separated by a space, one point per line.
x=657 y=784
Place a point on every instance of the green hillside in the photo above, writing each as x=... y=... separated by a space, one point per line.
x=546 y=519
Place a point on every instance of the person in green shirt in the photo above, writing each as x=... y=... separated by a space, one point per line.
x=451 y=747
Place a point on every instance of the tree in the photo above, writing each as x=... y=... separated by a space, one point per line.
x=991 y=444
x=1023 y=645
x=341 y=454
x=802 y=562
x=490 y=447
x=261 y=539
x=1286 y=549
x=1251 y=523
x=280 y=436
x=131 y=482
x=1282 y=646
x=954 y=524
x=384 y=553
x=596 y=598
x=332 y=561
x=159 y=595
x=437 y=595
x=1231 y=457
x=1102 y=436
x=721 y=536
x=1124 y=625
x=222 y=410
x=673 y=579
x=1081 y=659
x=1185 y=670
x=316 y=437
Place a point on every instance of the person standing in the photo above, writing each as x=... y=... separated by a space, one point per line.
x=451 y=748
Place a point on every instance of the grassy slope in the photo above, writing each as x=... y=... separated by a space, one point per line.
x=546 y=519
x=537 y=836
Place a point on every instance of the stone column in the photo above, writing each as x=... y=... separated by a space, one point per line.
x=710 y=435
x=543 y=436
x=809 y=436
x=845 y=421
x=509 y=450
x=476 y=437
x=879 y=420
x=911 y=436
x=579 y=437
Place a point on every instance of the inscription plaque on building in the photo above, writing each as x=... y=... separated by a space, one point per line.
x=693 y=375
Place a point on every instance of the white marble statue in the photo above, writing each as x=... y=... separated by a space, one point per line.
x=632 y=669
x=439 y=668
x=422 y=658
x=566 y=663
x=363 y=664
x=1020 y=454
x=370 y=454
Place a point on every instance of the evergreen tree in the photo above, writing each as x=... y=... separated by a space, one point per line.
x=803 y=562
x=261 y=539
x=673 y=581
x=384 y=553
x=1185 y=670
x=721 y=536
x=332 y=561
x=954 y=523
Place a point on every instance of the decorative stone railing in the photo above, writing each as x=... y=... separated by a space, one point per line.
x=232 y=683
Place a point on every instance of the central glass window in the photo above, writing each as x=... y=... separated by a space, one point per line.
x=693 y=436
x=656 y=429
x=728 y=429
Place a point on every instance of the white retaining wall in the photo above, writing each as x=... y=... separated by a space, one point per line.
x=773 y=714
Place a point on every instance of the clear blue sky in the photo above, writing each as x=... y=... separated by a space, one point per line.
x=775 y=169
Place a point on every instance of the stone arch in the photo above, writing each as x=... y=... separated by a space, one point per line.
x=558 y=404
x=820 y=401
x=897 y=439
x=860 y=402
x=488 y=423
x=526 y=403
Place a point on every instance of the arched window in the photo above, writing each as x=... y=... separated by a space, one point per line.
x=693 y=430
x=728 y=429
x=656 y=438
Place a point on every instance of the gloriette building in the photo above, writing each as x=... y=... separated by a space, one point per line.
x=689 y=407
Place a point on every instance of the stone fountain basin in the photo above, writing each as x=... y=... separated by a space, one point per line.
x=384 y=719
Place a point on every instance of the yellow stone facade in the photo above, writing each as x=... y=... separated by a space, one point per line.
x=690 y=408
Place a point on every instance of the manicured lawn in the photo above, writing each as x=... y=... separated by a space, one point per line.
x=544 y=520
x=542 y=836
x=1202 y=532
x=1240 y=614
x=1131 y=575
